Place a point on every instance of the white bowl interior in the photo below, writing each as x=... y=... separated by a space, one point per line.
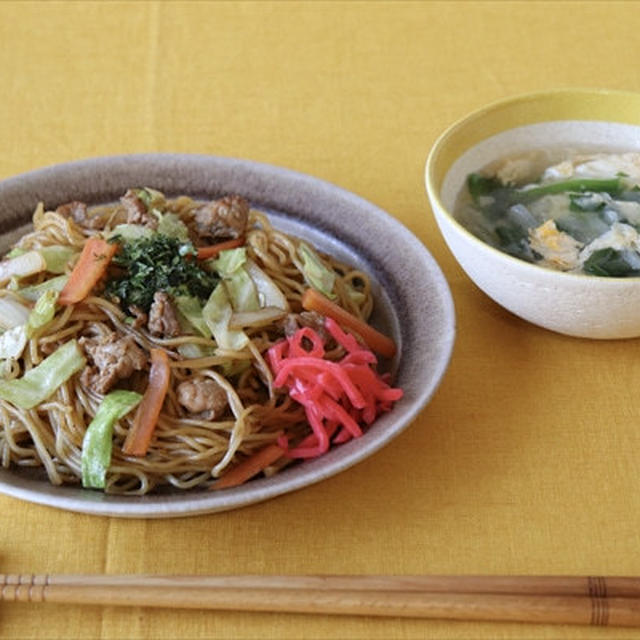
x=570 y=134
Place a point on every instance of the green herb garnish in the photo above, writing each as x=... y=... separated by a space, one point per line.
x=158 y=263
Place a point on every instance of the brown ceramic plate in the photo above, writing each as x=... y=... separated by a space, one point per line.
x=413 y=300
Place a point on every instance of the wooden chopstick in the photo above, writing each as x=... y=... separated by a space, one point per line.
x=594 y=600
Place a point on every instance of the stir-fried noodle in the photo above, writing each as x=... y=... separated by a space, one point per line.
x=192 y=445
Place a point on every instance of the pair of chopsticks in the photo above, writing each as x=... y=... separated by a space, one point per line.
x=588 y=600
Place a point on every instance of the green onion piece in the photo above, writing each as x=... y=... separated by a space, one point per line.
x=580 y=185
x=37 y=384
x=97 y=443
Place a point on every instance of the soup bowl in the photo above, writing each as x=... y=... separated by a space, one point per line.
x=574 y=304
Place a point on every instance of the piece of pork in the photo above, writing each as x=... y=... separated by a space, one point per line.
x=140 y=318
x=163 y=319
x=223 y=218
x=111 y=359
x=137 y=210
x=202 y=396
x=311 y=319
x=78 y=212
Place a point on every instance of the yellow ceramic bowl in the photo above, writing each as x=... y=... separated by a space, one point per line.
x=578 y=305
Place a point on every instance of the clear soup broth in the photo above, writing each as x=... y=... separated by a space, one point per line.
x=569 y=210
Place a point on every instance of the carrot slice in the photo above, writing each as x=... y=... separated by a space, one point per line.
x=313 y=300
x=91 y=266
x=213 y=250
x=249 y=467
x=139 y=436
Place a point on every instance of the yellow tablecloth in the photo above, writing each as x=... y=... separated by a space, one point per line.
x=527 y=458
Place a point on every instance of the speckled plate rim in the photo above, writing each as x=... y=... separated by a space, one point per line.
x=416 y=299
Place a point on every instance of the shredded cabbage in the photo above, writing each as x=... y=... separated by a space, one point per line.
x=25 y=264
x=217 y=314
x=37 y=384
x=15 y=252
x=130 y=232
x=97 y=443
x=43 y=311
x=241 y=289
x=190 y=313
x=357 y=296
x=12 y=313
x=13 y=341
x=315 y=272
x=269 y=295
x=169 y=224
x=57 y=257
x=151 y=197
x=260 y=318
x=190 y=350
x=5 y=367
x=34 y=291
x=230 y=261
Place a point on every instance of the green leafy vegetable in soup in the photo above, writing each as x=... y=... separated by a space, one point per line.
x=580 y=215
